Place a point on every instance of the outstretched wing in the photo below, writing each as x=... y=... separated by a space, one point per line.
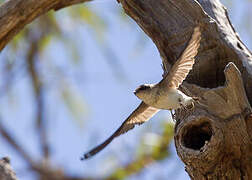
x=184 y=64
x=141 y=114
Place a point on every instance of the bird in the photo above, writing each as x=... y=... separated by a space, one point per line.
x=163 y=95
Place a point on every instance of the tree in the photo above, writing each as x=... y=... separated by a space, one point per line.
x=214 y=141
x=26 y=55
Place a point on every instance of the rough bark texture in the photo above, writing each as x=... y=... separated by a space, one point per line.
x=15 y=14
x=6 y=172
x=215 y=140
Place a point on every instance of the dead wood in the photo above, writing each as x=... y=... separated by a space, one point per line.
x=214 y=141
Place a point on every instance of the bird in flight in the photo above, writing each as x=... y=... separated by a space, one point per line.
x=163 y=95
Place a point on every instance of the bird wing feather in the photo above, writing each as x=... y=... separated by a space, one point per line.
x=184 y=64
x=140 y=115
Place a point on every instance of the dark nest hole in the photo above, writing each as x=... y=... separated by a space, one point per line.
x=196 y=136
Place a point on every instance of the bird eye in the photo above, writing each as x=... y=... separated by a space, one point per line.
x=143 y=87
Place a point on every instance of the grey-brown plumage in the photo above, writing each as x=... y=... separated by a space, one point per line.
x=163 y=95
x=141 y=114
x=185 y=62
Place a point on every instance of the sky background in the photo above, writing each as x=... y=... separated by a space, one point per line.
x=104 y=86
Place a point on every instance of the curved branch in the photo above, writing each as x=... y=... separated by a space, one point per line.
x=169 y=23
x=15 y=14
x=214 y=141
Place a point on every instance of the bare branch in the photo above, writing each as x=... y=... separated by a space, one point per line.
x=15 y=14
x=38 y=89
x=6 y=135
x=65 y=3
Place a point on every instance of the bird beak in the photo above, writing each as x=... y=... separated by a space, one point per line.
x=134 y=92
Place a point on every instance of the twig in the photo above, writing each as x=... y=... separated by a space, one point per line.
x=38 y=91
x=6 y=135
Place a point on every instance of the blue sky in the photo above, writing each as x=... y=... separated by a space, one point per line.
x=137 y=62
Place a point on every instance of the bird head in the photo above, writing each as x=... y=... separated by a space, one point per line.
x=143 y=91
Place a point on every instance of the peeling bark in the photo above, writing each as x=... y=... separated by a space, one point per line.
x=215 y=140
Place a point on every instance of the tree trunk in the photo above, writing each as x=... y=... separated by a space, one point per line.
x=6 y=172
x=214 y=140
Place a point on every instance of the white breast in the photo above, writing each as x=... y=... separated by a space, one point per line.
x=169 y=99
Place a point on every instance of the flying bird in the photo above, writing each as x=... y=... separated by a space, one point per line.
x=163 y=95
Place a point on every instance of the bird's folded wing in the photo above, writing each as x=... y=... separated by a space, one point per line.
x=184 y=64
x=141 y=114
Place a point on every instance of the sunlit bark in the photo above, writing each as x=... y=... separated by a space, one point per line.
x=213 y=141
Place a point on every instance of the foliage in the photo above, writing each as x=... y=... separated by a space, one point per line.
x=32 y=55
